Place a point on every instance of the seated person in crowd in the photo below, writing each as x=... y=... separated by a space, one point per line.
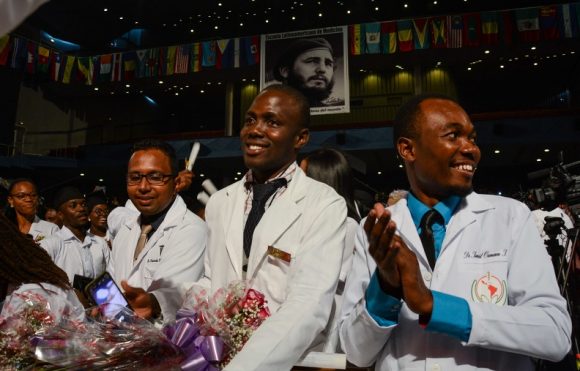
x=293 y=253
x=25 y=268
x=159 y=248
x=51 y=215
x=71 y=248
x=447 y=278
x=23 y=206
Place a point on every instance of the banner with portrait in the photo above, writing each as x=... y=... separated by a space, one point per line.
x=313 y=61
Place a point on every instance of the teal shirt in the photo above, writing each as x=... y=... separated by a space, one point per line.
x=451 y=314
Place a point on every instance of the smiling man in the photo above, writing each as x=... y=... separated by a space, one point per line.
x=71 y=248
x=446 y=278
x=160 y=248
x=308 y=65
x=279 y=229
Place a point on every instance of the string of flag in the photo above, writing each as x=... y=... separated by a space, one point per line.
x=490 y=28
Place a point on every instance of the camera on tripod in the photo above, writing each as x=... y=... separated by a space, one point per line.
x=553 y=227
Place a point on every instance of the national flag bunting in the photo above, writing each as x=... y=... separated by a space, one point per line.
x=372 y=38
x=439 y=32
x=528 y=24
x=455 y=27
x=389 y=37
x=405 y=35
x=421 y=34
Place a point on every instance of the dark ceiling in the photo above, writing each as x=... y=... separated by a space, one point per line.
x=94 y=24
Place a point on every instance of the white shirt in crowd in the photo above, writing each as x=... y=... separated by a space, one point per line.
x=41 y=229
x=87 y=258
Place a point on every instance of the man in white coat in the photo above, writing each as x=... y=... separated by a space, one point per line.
x=471 y=288
x=160 y=248
x=294 y=254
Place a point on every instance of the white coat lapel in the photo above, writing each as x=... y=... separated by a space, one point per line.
x=233 y=223
x=464 y=216
x=408 y=231
x=276 y=220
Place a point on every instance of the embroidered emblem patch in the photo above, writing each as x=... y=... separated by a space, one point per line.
x=489 y=289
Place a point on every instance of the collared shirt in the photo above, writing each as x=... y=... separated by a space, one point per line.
x=451 y=314
x=87 y=258
x=156 y=220
x=41 y=229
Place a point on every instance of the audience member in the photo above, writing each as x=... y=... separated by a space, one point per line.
x=448 y=278
x=331 y=167
x=98 y=212
x=27 y=268
x=293 y=253
x=23 y=206
x=71 y=248
x=162 y=246
x=51 y=215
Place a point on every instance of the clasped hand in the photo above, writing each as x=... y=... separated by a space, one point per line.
x=398 y=270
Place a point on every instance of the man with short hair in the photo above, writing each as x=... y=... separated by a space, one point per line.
x=71 y=248
x=447 y=278
x=158 y=249
x=279 y=229
x=51 y=215
x=308 y=65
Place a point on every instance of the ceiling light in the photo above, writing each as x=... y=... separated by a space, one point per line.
x=96 y=89
x=486 y=52
x=538 y=160
x=398 y=66
x=376 y=8
x=100 y=179
x=435 y=2
x=105 y=10
x=191 y=30
x=160 y=82
x=401 y=165
x=215 y=27
x=406 y=6
x=136 y=22
x=202 y=91
x=496 y=151
x=176 y=93
x=121 y=17
x=241 y=24
x=267 y=21
x=127 y=85
x=320 y=14
x=501 y=66
x=51 y=40
x=348 y=12
x=535 y=63
x=219 y=4
x=127 y=92
x=533 y=48
x=379 y=173
x=547 y=150
x=244 y=80
x=469 y=68
x=202 y=175
x=293 y=18
x=82 y=174
x=239 y=173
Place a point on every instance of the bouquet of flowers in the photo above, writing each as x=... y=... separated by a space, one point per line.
x=30 y=336
x=212 y=330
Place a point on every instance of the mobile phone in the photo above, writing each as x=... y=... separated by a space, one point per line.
x=105 y=293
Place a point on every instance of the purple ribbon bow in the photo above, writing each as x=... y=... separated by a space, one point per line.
x=203 y=353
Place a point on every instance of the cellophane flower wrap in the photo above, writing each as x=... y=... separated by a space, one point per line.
x=232 y=313
x=34 y=337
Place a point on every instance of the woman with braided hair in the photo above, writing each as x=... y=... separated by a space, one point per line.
x=27 y=268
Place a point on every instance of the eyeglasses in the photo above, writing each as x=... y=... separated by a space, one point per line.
x=152 y=178
x=22 y=196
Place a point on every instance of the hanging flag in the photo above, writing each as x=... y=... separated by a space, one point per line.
x=140 y=70
x=570 y=22
x=389 y=37
x=19 y=53
x=129 y=65
x=225 y=54
x=507 y=26
x=170 y=60
x=106 y=67
x=421 y=33
x=249 y=50
x=55 y=66
x=31 y=51
x=528 y=24
x=208 y=50
x=161 y=61
x=489 y=28
x=68 y=68
x=117 y=67
x=356 y=41
x=152 y=63
x=455 y=27
x=439 y=32
x=182 y=59
x=471 y=29
x=4 y=49
x=195 y=57
x=372 y=38
x=549 y=24
x=405 y=35
x=85 y=70
x=43 y=60
x=96 y=69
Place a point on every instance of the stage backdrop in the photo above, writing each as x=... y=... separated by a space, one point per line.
x=273 y=47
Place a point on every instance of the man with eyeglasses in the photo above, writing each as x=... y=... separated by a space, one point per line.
x=159 y=249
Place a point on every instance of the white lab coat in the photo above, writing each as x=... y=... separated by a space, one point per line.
x=41 y=229
x=65 y=250
x=308 y=221
x=489 y=239
x=172 y=256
